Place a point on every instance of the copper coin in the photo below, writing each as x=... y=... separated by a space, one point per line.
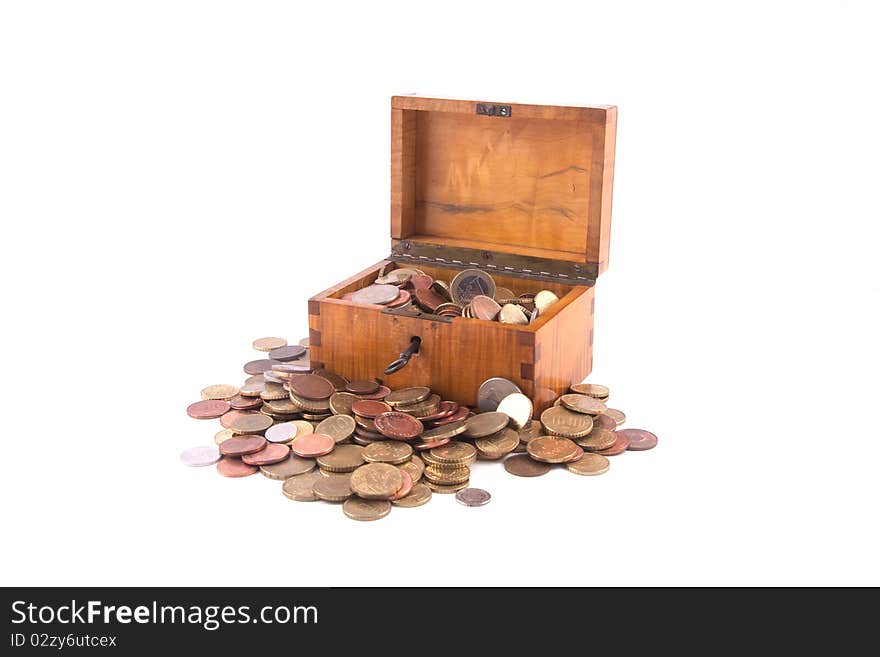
x=380 y=393
x=271 y=454
x=340 y=403
x=333 y=489
x=582 y=404
x=447 y=408
x=259 y=366
x=618 y=416
x=240 y=403
x=421 y=282
x=338 y=381
x=597 y=440
x=486 y=308
x=473 y=497
x=312 y=445
x=227 y=418
x=414 y=468
x=461 y=414
x=552 y=449
x=370 y=435
x=207 y=409
x=399 y=426
x=403 y=298
x=290 y=467
x=233 y=467
x=249 y=422
x=362 y=387
x=287 y=353
x=369 y=408
x=301 y=488
x=604 y=422
x=408 y=396
x=428 y=299
x=405 y=488
x=312 y=386
x=220 y=391
x=577 y=456
x=639 y=439
x=240 y=445
x=590 y=464
x=201 y=456
x=486 y=424
x=366 y=510
x=523 y=465
x=619 y=447
x=424 y=445
x=365 y=423
x=268 y=344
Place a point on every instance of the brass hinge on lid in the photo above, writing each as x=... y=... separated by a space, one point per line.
x=456 y=257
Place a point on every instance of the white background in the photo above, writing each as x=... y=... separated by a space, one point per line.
x=177 y=178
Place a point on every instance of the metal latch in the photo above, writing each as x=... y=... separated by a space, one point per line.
x=485 y=109
x=404 y=357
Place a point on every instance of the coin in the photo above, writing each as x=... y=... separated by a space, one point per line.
x=399 y=426
x=341 y=402
x=403 y=300
x=405 y=488
x=582 y=404
x=461 y=414
x=240 y=445
x=339 y=427
x=396 y=277
x=604 y=421
x=200 y=456
x=414 y=468
x=273 y=391
x=255 y=378
x=560 y=421
x=305 y=342
x=531 y=430
x=220 y=391
x=442 y=289
x=311 y=387
x=249 y=422
x=380 y=393
x=259 y=366
x=428 y=299
x=223 y=434
x=333 y=489
x=512 y=314
x=301 y=488
x=267 y=456
x=590 y=464
x=207 y=409
x=523 y=465
x=419 y=495
x=544 y=299
x=375 y=295
x=454 y=453
x=552 y=449
x=365 y=423
x=345 y=458
x=281 y=407
x=518 y=408
x=364 y=387
x=639 y=439
x=485 y=308
x=312 y=445
x=369 y=408
x=492 y=391
x=504 y=293
x=407 y=396
x=591 y=390
x=376 y=481
x=498 y=444
x=447 y=476
x=470 y=283
x=472 y=497
x=293 y=465
x=485 y=424
x=320 y=407
x=301 y=366
x=446 y=488
x=233 y=467
x=240 y=403
x=253 y=389
x=387 y=451
x=619 y=446
x=426 y=408
x=618 y=416
x=366 y=510
x=268 y=344
x=303 y=428
x=447 y=408
x=597 y=440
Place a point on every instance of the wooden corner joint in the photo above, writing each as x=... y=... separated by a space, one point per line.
x=314 y=307
x=314 y=338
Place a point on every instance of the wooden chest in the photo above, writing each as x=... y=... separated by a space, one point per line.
x=522 y=192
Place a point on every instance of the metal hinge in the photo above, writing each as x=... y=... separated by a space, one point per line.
x=486 y=109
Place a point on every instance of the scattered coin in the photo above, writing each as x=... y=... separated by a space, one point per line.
x=333 y=489
x=380 y=393
x=376 y=481
x=619 y=447
x=254 y=388
x=639 y=439
x=617 y=416
x=375 y=294
x=201 y=456
x=366 y=510
x=249 y=422
x=472 y=497
x=273 y=392
x=446 y=476
x=312 y=445
x=344 y=458
x=407 y=396
x=287 y=353
x=341 y=403
x=422 y=409
x=552 y=449
x=559 y=421
x=240 y=445
x=233 y=467
x=364 y=387
x=387 y=451
x=591 y=390
x=260 y=366
x=414 y=468
x=582 y=404
x=303 y=428
x=597 y=440
x=590 y=464
x=497 y=445
x=419 y=495
x=399 y=426
x=454 y=453
x=492 y=391
x=223 y=434
x=340 y=427
x=485 y=424
x=518 y=408
x=241 y=403
x=305 y=342
x=208 y=409
x=369 y=408
x=290 y=467
x=462 y=413
x=312 y=387
x=445 y=489
x=604 y=421
x=267 y=456
x=301 y=488
x=523 y=465
x=268 y=344
x=405 y=488
x=220 y=391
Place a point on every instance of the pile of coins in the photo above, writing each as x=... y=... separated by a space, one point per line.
x=472 y=293
x=368 y=447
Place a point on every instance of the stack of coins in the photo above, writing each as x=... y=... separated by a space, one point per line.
x=368 y=447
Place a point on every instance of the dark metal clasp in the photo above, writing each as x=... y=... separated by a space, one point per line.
x=404 y=357
x=486 y=109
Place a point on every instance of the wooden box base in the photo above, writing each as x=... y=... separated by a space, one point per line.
x=543 y=359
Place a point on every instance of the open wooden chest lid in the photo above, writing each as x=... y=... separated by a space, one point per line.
x=519 y=188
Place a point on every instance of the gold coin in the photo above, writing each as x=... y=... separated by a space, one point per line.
x=544 y=299
x=252 y=389
x=454 y=453
x=597 y=439
x=310 y=406
x=498 y=444
x=340 y=403
x=512 y=314
x=293 y=466
x=617 y=416
x=272 y=391
x=589 y=464
x=530 y=431
x=450 y=430
x=407 y=396
x=366 y=510
x=387 y=451
x=590 y=390
x=344 y=458
x=559 y=421
x=414 y=468
x=250 y=423
x=504 y=293
x=333 y=489
x=315 y=417
x=339 y=427
x=376 y=481
x=268 y=344
x=282 y=407
x=518 y=408
x=419 y=495
x=301 y=488
x=447 y=476
x=582 y=404
x=551 y=449
x=303 y=428
x=222 y=391
x=225 y=434
x=423 y=408
x=446 y=488
x=485 y=424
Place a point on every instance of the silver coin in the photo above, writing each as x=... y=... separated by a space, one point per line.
x=376 y=294
x=296 y=366
x=518 y=408
x=473 y=496
x=201 y=456
x=281 y=433
x=469 y=283
x=492 y=391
